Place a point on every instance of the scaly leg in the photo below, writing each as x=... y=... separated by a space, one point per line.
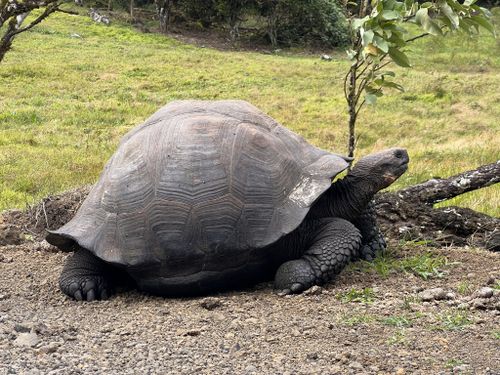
x=331 y=245
x=86 y=277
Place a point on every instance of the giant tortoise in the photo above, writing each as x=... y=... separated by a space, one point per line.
x=210 y=195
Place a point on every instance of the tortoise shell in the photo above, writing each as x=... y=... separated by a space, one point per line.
x=197 y=181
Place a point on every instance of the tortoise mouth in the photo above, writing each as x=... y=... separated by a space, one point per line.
x=390 y=177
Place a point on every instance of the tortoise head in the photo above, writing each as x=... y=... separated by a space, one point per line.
x=381 y=169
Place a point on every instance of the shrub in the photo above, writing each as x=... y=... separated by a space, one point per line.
x=306 y=22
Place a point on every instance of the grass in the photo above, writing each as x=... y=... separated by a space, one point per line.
x=365 y=295
x=424 y=264
x=452 y=321
x=399 y=321
x=66 y=100
x=357 y=319
x=465 y=288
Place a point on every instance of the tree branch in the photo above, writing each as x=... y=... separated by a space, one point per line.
x=416 y=37
x=437 y=189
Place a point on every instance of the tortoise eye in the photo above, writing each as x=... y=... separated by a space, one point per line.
x=398 y=154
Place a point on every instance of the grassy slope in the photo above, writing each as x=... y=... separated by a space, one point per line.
x=65 y=102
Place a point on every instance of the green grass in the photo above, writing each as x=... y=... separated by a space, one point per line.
x=424 y=264
x=465 y=288
x=452 y=321
x=399 y=321
x=355 y=319
x=365 y=295
x=65 y=102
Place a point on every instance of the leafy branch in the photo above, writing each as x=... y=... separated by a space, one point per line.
x=379 y=38
x=13 y=13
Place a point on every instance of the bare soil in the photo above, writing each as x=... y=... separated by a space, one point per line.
x=253 y=331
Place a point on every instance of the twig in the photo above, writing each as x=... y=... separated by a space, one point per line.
x=67 y=12
x=416 y=37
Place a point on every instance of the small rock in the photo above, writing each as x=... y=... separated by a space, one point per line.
x=463 y=306
x=192 y=332
x=436 y=294
x=491 y=280
x=356 y=365
x=461 y=369
x=22 y=328
x=210 y=303
x=326 y=58
x=450 y=295
x=485 y=292
x=400 y=371
x=312 y=356
x=480 y=303
x=27 y=339
x=50 y=348
x=313 y=291
x=250 y=369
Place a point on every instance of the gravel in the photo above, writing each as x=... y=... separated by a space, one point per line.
x=251 y=331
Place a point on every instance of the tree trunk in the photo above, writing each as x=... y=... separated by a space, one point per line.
x=163 y=10
x=409 y=214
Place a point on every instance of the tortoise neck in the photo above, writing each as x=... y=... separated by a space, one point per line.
x=346 y=198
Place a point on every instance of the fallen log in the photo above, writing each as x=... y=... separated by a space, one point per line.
x=409 y=214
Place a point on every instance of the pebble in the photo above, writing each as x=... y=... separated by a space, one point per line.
x=450 y=295
x=313 y=291
x=210 y=303
x=485 y=292
x=27 y=339
x=436 y=294
x=491 y=280
x=356 y=365
x=480 y=303
x=22 y=328
x=50 y=348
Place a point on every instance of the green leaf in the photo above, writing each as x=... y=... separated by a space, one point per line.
x=422 y=18
x=351 y=54
x=358 y=22
x=422 y=15
x=381 y=43
x=390 y=84
x=483 y=22
x=370 y=99
x=427 y=4
x=469 y=2
x=389 y=15
x=449 y=13
x=371 y=49
x=399 y=57
x=367 y=37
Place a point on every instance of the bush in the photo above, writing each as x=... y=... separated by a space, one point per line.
x=303 y=22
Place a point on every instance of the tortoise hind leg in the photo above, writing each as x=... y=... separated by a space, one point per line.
x=332 y=243
x=86 y=277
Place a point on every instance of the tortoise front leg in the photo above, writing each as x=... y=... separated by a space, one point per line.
x=85 y=277
x=373 y=241
x=333 y=243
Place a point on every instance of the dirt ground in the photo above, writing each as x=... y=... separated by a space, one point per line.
x=392 y=331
